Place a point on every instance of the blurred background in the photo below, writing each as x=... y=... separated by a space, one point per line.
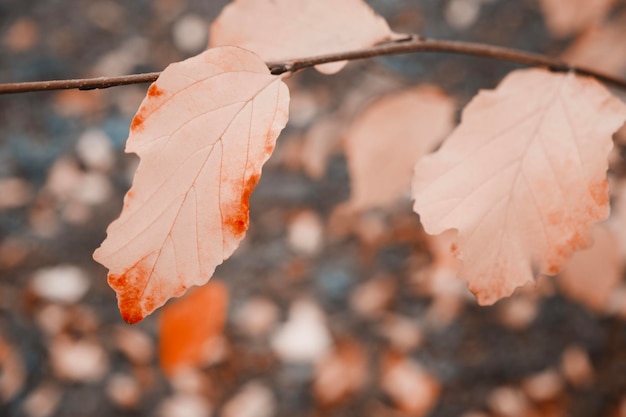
x=321 y=311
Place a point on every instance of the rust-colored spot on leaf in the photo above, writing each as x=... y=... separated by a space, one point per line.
x=130 y=195
x=137 y=122
x=600 y=192
x=155 y=91
x=454 y=248
x=239 y=217
x=129 y=292
x=553 y=269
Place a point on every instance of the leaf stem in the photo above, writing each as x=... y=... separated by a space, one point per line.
x=405 y=45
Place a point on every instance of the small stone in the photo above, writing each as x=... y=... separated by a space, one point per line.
x=413 y=389
x=576 y=366
x=372 y=298
x=257 y=316
x=13 y=374
x=52 y=318
x=64 y=178
x=544 y=386
x=78 y=361
x=95 y=188
x=304 y=337
x=305 y=233
x=13 y=251
x=403 y=332
x=254 y=400
x=341 y=373
x=63 y=283
x=184 y=405
x=462 y=14
x=518 y=312
x=123 y=390
x=509 y=402
x=14 y=193
x=190 y=33
x=95 y=150
x=43 y=401
x=136 y=345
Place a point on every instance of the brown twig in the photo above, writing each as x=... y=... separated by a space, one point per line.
x=406 y=45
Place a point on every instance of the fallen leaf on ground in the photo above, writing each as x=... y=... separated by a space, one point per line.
x=522 y=178
x=189 y=326
x=564 y=17
x=203 y=133
x=389 y=137
x=285 y=29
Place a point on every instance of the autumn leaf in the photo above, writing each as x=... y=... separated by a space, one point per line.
x=286 y=29
x=203 y=133
x=188 y=327
x=595 y=48
x=522 y=178
x=389 y=137
x=564 y=17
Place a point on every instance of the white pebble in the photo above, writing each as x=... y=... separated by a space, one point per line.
x=304 y=337
x=63 y=283
x=190 y=33
x=95 y=150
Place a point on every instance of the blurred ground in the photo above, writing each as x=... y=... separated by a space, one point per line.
x=327 y=316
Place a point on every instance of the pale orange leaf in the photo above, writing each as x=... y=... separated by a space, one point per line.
x=595 y=48
x=522 y=178
x=564 y=17
x=389 y=137
x=188 y=326
x=287 y=29
x=203 y=133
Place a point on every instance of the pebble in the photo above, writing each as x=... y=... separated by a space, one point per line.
x=253 y=400
x=544 y=386
x=190 y=33
x=509 y=402
x=576 y=366
x=341 y=373
x=257 y=317
x=304 y=337
x=62 y=283
x=185 y=405
x=305 y=234
x=79 y=361
x=13 y=373
x=14 y=193
x=413 y=389
x=135 y=344
x=42 y=401
x=95 y=150
x=371 y=298
x=123 y=390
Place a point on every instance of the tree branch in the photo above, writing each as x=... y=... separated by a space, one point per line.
x=411 y=44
